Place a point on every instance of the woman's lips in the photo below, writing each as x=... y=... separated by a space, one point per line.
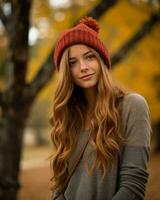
x=86 y=77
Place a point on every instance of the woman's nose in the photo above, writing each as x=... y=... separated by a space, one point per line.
x=83 y=65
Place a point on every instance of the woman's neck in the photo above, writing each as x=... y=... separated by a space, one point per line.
x=90 y=94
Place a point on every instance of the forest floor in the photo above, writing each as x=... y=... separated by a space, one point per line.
x=35 y=176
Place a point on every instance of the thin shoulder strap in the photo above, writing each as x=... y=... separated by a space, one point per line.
x=76 y=162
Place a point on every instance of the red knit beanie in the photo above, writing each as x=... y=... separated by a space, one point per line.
x=86 y=32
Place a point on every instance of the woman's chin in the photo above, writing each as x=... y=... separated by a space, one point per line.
x=87 y=85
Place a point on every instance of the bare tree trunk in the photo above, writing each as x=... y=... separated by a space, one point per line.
x=10 y=151
x=15 y=101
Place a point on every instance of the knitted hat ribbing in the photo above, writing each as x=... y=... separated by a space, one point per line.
x=86 y=32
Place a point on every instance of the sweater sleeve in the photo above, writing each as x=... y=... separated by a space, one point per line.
x=134 y=156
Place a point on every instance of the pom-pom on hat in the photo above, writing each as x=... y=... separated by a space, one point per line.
x=85 y=32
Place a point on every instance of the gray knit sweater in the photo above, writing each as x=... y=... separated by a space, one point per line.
x=128 y=178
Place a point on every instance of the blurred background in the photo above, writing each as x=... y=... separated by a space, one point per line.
x=28 y=32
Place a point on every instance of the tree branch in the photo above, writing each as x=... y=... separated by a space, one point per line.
x=99 y=10
x=47 y=69
x=128 y=46
x=42 y=77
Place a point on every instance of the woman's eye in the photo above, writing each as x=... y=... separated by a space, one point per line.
x=71 y=63
x=91 y=56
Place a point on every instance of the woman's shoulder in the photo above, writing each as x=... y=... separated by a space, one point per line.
x=134 y=98
x=134 y=104
x=135 y=119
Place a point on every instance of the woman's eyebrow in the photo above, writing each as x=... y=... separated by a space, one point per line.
x=87 y=52
x=71 y=58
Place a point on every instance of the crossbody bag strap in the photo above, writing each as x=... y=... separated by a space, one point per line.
x=76 y=162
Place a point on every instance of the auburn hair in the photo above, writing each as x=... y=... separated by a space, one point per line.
x=68 y=119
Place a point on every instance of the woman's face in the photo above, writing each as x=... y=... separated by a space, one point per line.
x=84 y=66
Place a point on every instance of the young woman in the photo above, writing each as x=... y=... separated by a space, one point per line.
x=101 y=133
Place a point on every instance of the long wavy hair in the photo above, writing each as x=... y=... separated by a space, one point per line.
x=68 y=121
